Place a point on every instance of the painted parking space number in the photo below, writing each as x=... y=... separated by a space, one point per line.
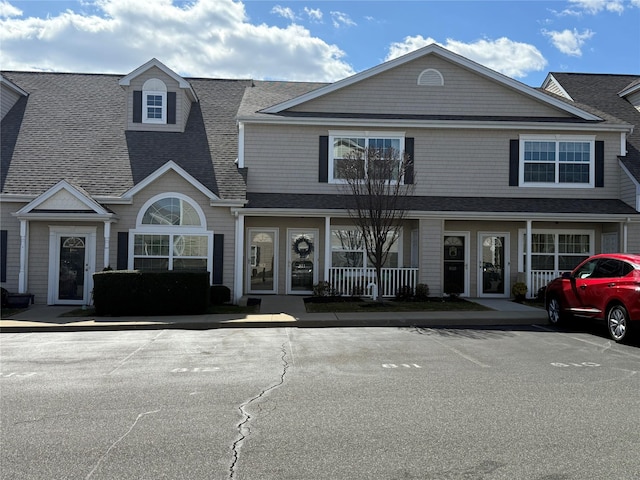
x=195 y=370
x=17 y=374
x=400 y=365
x=579 y=365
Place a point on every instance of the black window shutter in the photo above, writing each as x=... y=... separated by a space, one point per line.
x=123 y=251
x=514 y=162
x=599 y=163
x=218 y=250
x=408 y=150
x=3 y=255
x=171 y=107
x=323 y=166
x=137 y=106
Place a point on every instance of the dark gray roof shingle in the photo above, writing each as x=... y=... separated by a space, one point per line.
x=434 y=204
x=601 y=91
x=72 y=127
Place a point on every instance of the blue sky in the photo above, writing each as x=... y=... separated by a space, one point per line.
x=317 y=40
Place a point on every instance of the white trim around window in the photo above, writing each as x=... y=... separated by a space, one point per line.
x=557 y=161
x=366 y=136
x=555 y=250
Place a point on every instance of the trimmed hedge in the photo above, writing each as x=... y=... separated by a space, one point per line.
x=131 y=292
x=220 y=294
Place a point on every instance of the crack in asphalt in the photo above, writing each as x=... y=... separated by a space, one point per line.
x=113 y=445
x=244 y=427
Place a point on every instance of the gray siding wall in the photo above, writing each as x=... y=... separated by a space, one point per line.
x=12 y=226
x=8 y=99
x=628 y=190
x=431 y=254
x=396 y=92
x=447 y=162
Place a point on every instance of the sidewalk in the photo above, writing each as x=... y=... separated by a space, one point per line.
x=276 y=311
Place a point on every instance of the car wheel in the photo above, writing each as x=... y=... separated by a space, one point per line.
x=618 y=322
x=553 y=311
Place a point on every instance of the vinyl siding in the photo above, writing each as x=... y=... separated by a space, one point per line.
x=12 y=225
x=8 y=99
x=628 y=190
x=396 y=92
x=430 y=240
x=447 y=162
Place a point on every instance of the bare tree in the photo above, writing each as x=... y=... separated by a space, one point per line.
x=374 y=180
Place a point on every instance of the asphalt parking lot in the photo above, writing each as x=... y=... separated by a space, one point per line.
x=524 y=402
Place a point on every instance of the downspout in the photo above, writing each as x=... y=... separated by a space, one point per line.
x=625 y=233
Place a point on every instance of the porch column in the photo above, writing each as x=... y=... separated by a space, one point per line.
x=239 y=259
x=527 y=267
x=327 y=247
x=22 y=275
x=107 y=236
x=625 y=233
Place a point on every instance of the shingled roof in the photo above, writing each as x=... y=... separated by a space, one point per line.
x=601 y=91
x=72 y=127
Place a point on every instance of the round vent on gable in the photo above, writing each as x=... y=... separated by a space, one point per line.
x=431 y=78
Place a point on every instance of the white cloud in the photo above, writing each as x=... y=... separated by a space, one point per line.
x=341 y=19
x=8 y=10
x=596 y=6
x=506 y=56
x=284 y=12
x=315 y=14
x=210 y=38
x=569 y=42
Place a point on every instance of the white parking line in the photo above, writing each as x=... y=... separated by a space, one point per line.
x=602 y=346
x=458 y=352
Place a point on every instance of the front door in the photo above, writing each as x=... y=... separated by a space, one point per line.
x=456 y=278
x=72 y=257
x=262 y=258
x=493 y=271
x=302 y=261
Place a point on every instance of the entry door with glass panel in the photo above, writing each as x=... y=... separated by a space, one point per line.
x=455 y=264
x=262 y=261
x=72 y=264
x=493 y=272
x=302 y=261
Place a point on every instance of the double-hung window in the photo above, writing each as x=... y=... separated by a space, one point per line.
x=348 y=249
x=154 y=101
x=171 y=235
x=556 y=250
x=366 y=152
x=557 y=161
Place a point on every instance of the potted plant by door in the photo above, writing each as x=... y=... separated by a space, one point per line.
x=519 y=291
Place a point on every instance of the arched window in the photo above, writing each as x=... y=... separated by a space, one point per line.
x=154 y=101
x=171 y=234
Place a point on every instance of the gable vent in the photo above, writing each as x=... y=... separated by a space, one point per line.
x=431 y=78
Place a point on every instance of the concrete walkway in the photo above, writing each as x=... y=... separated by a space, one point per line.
x=277 y=310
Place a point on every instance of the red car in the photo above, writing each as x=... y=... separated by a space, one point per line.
x=604 y=287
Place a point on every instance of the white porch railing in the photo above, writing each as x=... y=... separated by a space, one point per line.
x=354 y=280
x=540 y=278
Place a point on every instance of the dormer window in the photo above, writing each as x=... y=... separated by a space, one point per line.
x=154 y=94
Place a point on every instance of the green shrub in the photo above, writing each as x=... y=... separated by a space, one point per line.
x=324 y=289
x=130 y=292
x=404 y=293
x=422 y=292
x=219 y=294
